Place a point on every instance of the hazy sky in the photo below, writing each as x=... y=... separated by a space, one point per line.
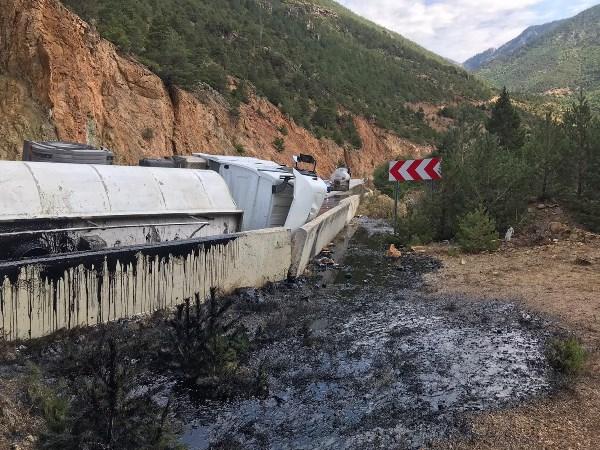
x=458 y=29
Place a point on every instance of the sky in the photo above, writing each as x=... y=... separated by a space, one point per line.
x=459 y=29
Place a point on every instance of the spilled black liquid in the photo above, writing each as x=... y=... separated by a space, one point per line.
x=372 y=361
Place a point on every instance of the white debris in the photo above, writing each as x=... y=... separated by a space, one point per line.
x=509 y=234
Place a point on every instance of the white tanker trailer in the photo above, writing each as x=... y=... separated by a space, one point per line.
x=60 y=208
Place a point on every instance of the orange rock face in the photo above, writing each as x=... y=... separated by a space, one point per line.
x=90 y=93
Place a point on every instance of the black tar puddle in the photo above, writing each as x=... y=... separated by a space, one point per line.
x=369 y=361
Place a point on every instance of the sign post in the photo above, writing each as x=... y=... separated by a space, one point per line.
x=396 y=194
x=412 y=170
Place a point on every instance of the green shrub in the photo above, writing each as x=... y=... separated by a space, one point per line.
x=283 y=130
x=566 y=356
x=279 y=144
x=102 y=404
x=477 y=232
x=416 y=228
x=586 y=211
x=148 y=134
x=54 y=408
x=239 y=148
x=390 y=239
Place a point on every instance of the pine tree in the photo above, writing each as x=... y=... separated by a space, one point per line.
x=578 y=122
x=545 y=152
x=325 y=116
x=505 y=123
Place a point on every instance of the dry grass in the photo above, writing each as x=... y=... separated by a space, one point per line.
x=377 y=206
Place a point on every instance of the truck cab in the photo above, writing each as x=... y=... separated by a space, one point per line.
x=271 y=195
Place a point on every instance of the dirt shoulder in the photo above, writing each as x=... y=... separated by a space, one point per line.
x=562 y=280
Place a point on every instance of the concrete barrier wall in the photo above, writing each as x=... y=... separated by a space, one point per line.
x=353 y=204
x=38 y=297
x=308 y=241
x=42 y=296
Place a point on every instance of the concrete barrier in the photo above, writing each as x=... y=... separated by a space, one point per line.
x=308 y=241
x=41 y=296
x=353 y=204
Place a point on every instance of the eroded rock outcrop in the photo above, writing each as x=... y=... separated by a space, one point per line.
x=76 y=86
x=20 y=116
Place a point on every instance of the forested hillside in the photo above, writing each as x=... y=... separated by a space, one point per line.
x=313 y=59
x=494 y=166
x=559 y=61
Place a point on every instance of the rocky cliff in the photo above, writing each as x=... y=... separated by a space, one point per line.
x=60 y=79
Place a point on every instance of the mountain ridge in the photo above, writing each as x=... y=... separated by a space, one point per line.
x=528 y=36
x=308 y=57
x=556 y=62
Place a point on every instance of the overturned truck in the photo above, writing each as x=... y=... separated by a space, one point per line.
x=50 y=209
x=84 y=244
x=270 y=194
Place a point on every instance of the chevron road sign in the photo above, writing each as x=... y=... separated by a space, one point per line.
x=416 y=170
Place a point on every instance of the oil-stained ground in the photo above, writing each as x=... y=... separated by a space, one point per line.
x=359 y=355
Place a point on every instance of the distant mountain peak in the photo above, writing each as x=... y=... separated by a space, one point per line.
x=554 y=59
x=480 y=59
x=527 y=37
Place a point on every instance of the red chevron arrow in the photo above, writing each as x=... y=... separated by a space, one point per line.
x=433 y=169
x=412 y=170
x=395 y=170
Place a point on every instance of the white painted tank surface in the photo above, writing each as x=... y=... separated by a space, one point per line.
x=270 y=194
x=53 y=208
